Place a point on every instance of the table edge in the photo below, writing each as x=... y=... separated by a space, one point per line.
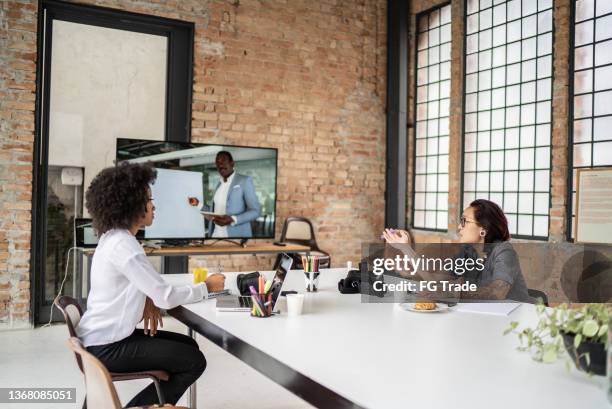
x=292 y=380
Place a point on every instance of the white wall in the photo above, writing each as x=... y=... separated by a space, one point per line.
x=105 y=84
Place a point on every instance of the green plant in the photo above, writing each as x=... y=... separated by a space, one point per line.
x=545 y=342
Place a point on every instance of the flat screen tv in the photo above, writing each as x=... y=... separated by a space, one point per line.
x=188 y=191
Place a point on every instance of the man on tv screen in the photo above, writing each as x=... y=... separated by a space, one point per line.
x=234 y=204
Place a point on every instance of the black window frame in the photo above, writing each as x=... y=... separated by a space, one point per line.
x=520 y=105
x=415 y=87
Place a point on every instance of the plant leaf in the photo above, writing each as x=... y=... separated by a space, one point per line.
x=549 y=353
x=577 y=340
x=590 y=328
x=512 y=327
x=602 y=330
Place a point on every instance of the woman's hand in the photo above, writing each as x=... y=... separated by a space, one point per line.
x=215 y=282
x=151 y=317
x=396 y=236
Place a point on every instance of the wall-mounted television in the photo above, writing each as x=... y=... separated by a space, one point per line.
x=189 y=190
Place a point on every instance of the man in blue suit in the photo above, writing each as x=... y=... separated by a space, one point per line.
x=235 y=201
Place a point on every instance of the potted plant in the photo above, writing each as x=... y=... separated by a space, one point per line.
x=583 y=332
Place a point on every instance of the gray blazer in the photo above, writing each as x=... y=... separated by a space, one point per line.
x=502 y=263
x=242 y=203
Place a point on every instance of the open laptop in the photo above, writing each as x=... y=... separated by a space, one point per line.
x=245 y=303
x=86 y=236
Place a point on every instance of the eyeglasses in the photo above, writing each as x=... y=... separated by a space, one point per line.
x=463 y=220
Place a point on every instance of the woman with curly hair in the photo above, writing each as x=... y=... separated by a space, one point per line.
x=125 y=289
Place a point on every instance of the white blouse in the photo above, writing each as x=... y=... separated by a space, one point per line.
x=121 y=279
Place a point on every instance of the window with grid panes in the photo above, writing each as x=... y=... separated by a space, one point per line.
x=507 y=127
x=430 y=193
x=592 y=99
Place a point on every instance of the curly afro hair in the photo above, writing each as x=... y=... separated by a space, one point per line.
x=118 y=196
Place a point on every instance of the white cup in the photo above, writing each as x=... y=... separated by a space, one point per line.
x=295 y=304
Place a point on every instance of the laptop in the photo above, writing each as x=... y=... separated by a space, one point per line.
x=86 y=235
x=245 y=303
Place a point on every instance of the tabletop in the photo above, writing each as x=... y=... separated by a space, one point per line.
x=380 y=356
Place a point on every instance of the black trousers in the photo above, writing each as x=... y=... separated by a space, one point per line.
x=174 y=353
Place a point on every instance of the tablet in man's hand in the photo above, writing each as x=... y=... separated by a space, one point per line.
x=210 y=213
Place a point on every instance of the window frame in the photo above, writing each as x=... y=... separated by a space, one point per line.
x=520 y=105
x=418 y=16
x=570 y=228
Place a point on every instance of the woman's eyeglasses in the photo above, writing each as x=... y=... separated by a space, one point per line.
x=463 y=220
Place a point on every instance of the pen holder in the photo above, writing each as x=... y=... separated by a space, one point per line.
x=262 y=305
x=312 y=280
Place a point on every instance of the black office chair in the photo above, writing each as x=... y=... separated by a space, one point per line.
x=299 y=230
x=538 y=295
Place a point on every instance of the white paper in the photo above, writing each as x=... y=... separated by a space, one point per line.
x=489 y=308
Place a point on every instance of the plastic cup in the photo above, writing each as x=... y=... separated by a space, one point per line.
x=295 y=304
x=200 y=274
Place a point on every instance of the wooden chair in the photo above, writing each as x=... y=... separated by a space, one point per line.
x=299 y=230
x=101 y=392
x=72 y=314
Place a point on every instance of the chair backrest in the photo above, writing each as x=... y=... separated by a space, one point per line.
x=101 y=392
x=299 y=230
x=533 y=293
x=72 y=312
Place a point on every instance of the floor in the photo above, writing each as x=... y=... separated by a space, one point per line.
x=40 y=358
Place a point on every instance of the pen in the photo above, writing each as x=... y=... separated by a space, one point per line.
x=255 y=298
x=256 y=305
x=267 y=286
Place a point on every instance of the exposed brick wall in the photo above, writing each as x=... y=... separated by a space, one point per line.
x=306 y=77
x=560 y=113
x=18 y=22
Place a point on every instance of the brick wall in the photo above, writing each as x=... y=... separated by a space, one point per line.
x=306 y=77
x=17 y=98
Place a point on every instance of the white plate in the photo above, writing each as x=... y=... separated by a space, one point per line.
x=409 y=306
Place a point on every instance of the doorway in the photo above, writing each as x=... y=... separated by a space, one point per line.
x=103 y=74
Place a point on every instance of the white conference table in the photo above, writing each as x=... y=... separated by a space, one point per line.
x=345 y=353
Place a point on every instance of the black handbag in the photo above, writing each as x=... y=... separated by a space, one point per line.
x=244 y=281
